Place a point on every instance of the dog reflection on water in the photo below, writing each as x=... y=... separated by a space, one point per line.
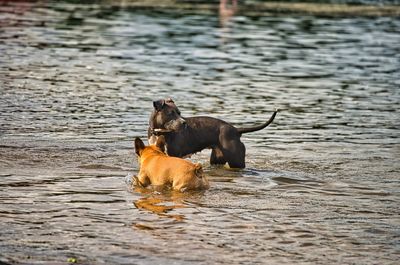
x=159 y=169
x=162 y=201
x=160 y=204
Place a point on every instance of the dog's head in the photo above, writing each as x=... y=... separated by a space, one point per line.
x=166 y=116
x=158 y=146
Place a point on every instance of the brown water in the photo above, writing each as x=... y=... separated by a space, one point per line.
x=322 y=182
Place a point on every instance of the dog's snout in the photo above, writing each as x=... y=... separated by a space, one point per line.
x=183 y=121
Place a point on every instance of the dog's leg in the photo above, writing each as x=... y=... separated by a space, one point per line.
x=232 y=148
x=180 y=184
x=234 y=152
x=217 y=157
x=143 y=179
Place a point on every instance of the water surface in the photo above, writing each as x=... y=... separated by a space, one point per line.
x=77 y=84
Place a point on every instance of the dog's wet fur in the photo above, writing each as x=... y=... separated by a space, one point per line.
x=186 y=136
x=159 y=169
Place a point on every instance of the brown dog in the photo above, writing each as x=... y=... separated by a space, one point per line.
x=159 y=169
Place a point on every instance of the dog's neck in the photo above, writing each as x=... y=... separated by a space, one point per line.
x=151 y=151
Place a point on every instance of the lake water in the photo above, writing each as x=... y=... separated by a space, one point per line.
x=322 y=182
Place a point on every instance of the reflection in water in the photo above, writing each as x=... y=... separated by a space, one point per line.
x=77 y=82
x=226 y=10
x=161 y=200
x=160 y=206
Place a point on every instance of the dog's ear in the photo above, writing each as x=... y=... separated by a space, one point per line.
x=161 y=142
x=139 y=145
x=159 y=104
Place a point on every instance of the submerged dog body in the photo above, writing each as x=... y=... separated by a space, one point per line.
x=186 y=136
x=158 y=169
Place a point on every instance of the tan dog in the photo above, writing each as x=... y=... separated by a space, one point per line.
x=159 y=169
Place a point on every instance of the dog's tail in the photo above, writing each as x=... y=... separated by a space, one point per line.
x=259 y=127
x=198 y=170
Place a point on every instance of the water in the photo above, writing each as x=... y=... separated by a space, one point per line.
x=321 y=183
